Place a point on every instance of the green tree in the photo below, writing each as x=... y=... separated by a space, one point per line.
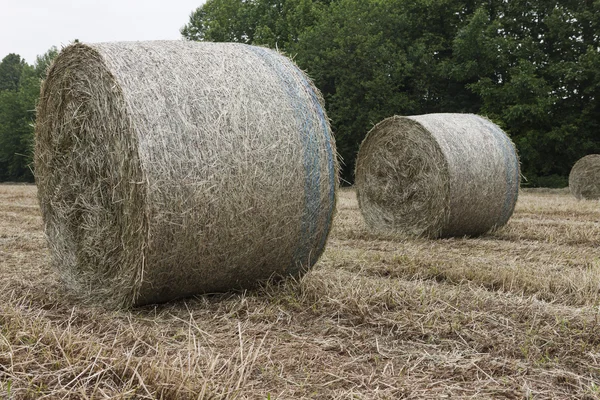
x=274 y=23
x=10 y=71
x=363 y=72
x=16 y=129
x=530 y=65
x=221 y=21
x=373 y=59
x=42 y=63
x=17 y=117
x=533 y=64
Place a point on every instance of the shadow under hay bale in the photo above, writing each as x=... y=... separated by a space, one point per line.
x=169 y=168
x=437 y=175
x=584 y=178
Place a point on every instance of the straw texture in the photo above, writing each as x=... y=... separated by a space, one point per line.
x=437 y=175
x=169 y=168
x=584 y=178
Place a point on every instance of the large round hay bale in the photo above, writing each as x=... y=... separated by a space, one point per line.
x=170 y=168
x=584 y=178
x=437 y=175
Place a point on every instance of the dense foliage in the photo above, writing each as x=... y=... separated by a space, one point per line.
x=19 y=90
x=532 y=66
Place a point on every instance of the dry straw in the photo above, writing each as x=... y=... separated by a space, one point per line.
x=584 y=179
x=437 y=175
x=170 y=168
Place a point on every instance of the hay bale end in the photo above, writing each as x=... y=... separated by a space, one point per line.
x=584 y=178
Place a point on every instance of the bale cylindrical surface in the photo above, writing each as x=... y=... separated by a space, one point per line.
x=170 y=168
x=437 y=175
x=584 y=178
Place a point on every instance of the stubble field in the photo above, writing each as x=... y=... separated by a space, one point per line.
x=512 y=314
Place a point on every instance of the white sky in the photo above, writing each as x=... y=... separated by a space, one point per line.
x=30 y=27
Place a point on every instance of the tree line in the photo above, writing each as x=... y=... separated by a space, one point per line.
x=19 y=91
x=531 y=66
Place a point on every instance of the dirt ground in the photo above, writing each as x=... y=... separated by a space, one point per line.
x=513 y=314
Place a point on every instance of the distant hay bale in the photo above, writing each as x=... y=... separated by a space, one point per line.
x=437 y=175
x=170 y=168
x=584 y=178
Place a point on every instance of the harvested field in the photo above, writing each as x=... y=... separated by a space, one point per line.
x=512 y=314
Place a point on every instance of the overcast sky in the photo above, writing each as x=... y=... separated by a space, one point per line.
x=31 y=27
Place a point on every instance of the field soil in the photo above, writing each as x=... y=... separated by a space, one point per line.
x=513 y=314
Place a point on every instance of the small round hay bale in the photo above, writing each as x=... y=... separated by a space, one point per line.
x=167 y=169
x=584 y=178
x=437 y=175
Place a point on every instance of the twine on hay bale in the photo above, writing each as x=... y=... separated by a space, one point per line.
x=584 y=178
x=437 y=175
x=170 y=168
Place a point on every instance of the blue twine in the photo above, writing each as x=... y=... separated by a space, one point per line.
x=311 y=159
x=511 y=172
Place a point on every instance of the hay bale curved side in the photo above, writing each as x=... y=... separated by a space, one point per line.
x=437 y=175
x=584 y=178
x=170 y=168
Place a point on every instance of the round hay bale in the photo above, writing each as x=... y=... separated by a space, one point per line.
x=167 y=169
x=437 y=175
x=584 y=178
